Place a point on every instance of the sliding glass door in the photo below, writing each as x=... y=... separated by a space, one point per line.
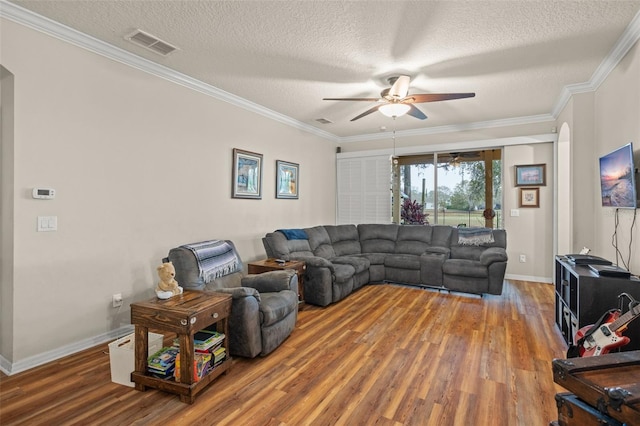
x=457 y=188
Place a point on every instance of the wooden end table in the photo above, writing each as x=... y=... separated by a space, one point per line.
x=267 y=265
x=185 y=315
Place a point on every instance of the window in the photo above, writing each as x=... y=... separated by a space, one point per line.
x=464 y=189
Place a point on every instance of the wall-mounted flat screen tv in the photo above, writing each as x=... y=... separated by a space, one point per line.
x=617 y=178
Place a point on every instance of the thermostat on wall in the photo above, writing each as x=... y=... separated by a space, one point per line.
x=44 y=193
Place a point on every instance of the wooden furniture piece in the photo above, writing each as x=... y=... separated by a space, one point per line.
x=267 y=265
x=185 y=315
x=573 y=411
x=608 y=387
x=582 y=297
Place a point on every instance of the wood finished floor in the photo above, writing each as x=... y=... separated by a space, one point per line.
x=386 y=355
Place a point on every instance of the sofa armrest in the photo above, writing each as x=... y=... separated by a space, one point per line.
x=438 y=250
x=316 y=262
x=240 y=292
x=270 y=282
x=492 y=255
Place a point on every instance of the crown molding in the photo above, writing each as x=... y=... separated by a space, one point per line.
x=626 y=41
x=455 y=146
x=55 y=29
x=505 y=122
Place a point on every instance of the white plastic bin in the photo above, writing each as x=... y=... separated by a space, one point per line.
x=121 y=356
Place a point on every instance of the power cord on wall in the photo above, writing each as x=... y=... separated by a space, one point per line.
x=614 y=239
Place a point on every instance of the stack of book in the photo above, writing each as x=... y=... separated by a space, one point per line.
x=162 y=364
x=201 y=366
x=205 y=340
x=209 y=353
x=219 y=355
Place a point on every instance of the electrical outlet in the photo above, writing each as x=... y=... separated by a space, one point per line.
x=523 y=258
x=117 y=300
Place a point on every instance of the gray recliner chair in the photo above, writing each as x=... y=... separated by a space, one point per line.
x=265 y=306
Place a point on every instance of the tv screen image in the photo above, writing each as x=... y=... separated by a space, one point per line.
x=617 y=180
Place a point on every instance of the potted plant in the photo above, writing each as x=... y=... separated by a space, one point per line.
x=412 y=213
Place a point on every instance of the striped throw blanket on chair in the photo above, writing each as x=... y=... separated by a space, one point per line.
x=216 y=258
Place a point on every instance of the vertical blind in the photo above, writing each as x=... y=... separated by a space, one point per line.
x=364 y=190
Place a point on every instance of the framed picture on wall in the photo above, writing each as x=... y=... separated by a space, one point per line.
x=247 y=175
x=529 y=197
x=531 y=175
x=287 y=179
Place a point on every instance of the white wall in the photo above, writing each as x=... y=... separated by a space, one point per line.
x=601 y=122
x=140 y=165
x=531 y=232
x=617 y=112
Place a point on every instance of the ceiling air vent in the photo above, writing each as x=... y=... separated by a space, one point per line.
x=323 y=121
x=150 y=42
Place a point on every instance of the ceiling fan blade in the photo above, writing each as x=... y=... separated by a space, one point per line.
x=367 y=112
x=400 y=87
x=352 y=99
x=435 y=97
x=415 y=112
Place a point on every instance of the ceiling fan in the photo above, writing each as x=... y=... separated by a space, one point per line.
x=396 y=101
x=455 y=158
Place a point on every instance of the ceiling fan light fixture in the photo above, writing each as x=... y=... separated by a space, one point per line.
x=394 y=109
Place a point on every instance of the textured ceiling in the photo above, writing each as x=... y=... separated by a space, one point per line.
x=517 y=56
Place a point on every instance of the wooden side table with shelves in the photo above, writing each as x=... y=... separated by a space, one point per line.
x=266 y=265
x=184 y=315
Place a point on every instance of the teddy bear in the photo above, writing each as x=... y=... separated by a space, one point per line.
x=168 y=286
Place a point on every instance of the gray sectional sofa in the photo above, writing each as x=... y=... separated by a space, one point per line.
x=343 y=258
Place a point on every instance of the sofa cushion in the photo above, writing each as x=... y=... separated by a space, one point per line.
x=275 y=306
x=360 y=264
x=378 y=238
x=374 y=258
x=441 y=235
x=344 y=239
x=466 y=252
x=278 y=246
x=464 y=267
x=413 y=239
x=319 y=242
x=473 y=252
x=402 y=261
x=343 y=272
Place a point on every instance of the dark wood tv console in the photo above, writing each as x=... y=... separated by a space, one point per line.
x=582 y=297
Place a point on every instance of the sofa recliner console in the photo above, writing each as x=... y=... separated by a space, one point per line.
x=342 y=258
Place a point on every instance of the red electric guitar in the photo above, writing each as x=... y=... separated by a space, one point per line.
x=606 y=336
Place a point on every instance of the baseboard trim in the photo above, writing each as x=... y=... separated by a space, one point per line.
x=10 y=368
x=546 y=280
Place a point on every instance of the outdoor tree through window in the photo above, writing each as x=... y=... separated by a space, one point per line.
x=463 y=187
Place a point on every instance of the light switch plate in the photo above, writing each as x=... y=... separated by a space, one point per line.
x=47 y=223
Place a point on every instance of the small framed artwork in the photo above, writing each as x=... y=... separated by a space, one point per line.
x=529 y=197
x=247 y=174
x=287 y=179
x=531 y=175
